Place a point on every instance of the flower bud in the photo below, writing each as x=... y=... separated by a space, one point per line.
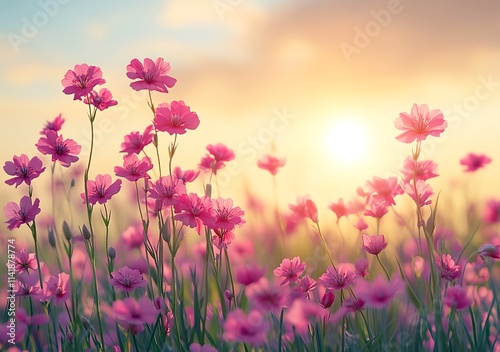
x=111 y=253
x=165 y=232
x=229 y=295
x=208 y=190
x=66 y=231
x=86 y=233
x=327 y=300
x=52 y=238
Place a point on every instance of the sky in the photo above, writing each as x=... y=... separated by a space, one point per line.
x=275 y=76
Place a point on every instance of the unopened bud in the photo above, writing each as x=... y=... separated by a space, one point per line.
x=229 y=295
x=165 y=232
x=72 y=183
x=52 y=238
x=111 y=253
x=160 y=305
x=327 y=300
x=208 y=190
x=86 y=233
x=66 y=231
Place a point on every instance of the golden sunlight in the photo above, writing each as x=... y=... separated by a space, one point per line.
x=346 y=141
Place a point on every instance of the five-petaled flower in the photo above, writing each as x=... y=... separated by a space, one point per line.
x=134 y=169
x=101 y=100
x=22 y=213
x=63 y=150
x=101 y=190
x=290 y=270
x=82 y=80
x=126 y=279
x=473 y=162
x=271 y=163
x=420 y=123
x=151 y=76
x=175 y=117
x=23 y=169
x=134 y=142
x=374 y=244
x=57 y=288
x=54 y=125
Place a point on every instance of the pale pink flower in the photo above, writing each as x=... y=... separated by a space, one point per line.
x=271 y=163
x=420 y=123
x=57 y=289
x=424 y=192
x=251 y=328
x=23 y=169
x=101 y=190
x=456 y=297
x=192 y=210
x=25 y=261
x=378 y=293
x=101 y=100
x=361 y=224
x=489 y=250
x=222 y=238
x=302 y=314
x=384 y=190
x=266 y=296
x=339 y=279
x=28 y=285
x=64 y=150
x=20 y=214
x=54 y=125
x=167 y=189
x=227 y=216
x=126 y=279
x=249 y=274
x=290 y=270
x=134 y=142
x=218 y=155
x=185 y=175
x=133 y=236
x=175 y=117
x=376 y=209
x=151 y=75
x=82 y=80
x=340 y=208
x=305 y=208
x=305 y=285
x=132 y=314
x=361 y=266
x=134 y=169
x=421 y=170
x=492 y=211
x=449 y=269
x=374 y=244
x=473 y=162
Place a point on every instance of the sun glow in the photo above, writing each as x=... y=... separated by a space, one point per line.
x=346 y=141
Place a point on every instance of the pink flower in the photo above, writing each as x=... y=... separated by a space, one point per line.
x=473 y=162
x=327 y=300
x=227 y=216
x=191 y=209
x=196 y=347
x=20 y=214
x=28 y=285
x=57 y=288
x=23 y=169
x=25 y=261
x=361 y=266
x=101 y=190
x=247 y=275
x=101 y=100
x=449 y=269
x=167 y=189
x=64 y=150
x=132 y=314
x=424 y=192
x=305 y=285
x=218 y=155
x=290 y=269
x=186 y=175
x=266 y=296
x=384 y=190
x=127 y=279
x=420 y=123
x=376 y=209
x=175 y=117
x=222 y=238
x=489 y=250
x=380 y=292
x=82 y=80
x=151 y=75
x=133 y=169
x=251 y=328
x=492 y=211
x=374 y=244
x=339 y=279
x=340 y=209
x=135 y=142
x=54 y=125
x=271 y=163
x=305 y=208
x=422 y=170
x=133 y=236
x=456 y=297
x=361 y=224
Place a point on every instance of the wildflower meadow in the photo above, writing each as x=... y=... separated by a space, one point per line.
x=153 y=258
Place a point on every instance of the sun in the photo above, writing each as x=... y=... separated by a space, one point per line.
x=346 y=141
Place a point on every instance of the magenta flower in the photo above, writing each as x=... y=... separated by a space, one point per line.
x=251 y=328
x=127 y=279
x=423 y=170
x=305 y=285
x=133 y=236
x=167 y=189
x=492 y=211
x=449 y=269
x=361 y=267
x=20 y=214
x=361 y=224
x=339 y=279
x=384 y=190
x=25 y=261
x=101 y=190
x=305 y=208
x=151 y=75
x=424 y=192
x=196 y=347
x=64 y=150
x=340 y=208
x=266 y=296
x=185 y=175
x=191 y=209
x=456 y=297
x=473 y=162
x=271 y=163
x=132 y=314
x=222 y=238
x=57 y=288
x=250 y=274
x=218 y=155
x=374 y=244
x=23 y=169
x=227 y=217
x=290 y=269
x=82 y=80
x=175 y=117
x=134 y=169
x=420 y=123
x=135 y=142
x=327 y=300
x=376 y=209
x=54 y=125
x=380 y=292
x=101 y=100
x=489 y=250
